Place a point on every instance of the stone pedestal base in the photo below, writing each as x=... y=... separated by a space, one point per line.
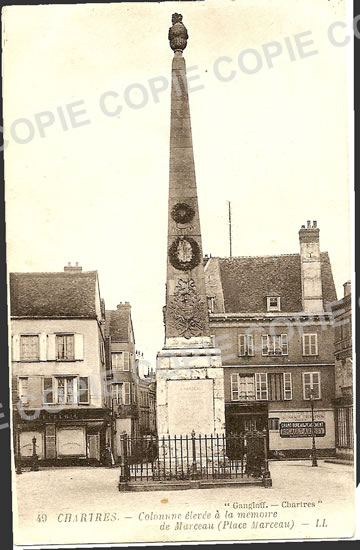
x=190 y=388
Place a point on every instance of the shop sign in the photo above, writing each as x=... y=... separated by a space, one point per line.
x=302 y=429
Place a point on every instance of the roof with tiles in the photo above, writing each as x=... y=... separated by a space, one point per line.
x=118 y=323
x=60 y=294
x=248 y=280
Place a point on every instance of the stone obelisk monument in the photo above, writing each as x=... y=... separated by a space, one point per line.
x=189 y=373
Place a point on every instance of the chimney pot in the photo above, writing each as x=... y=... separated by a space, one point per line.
x=73 y=268
x=303 y=227
x=314 y=224
x=309 y=224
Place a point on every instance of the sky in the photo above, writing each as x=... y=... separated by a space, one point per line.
x=92 y=188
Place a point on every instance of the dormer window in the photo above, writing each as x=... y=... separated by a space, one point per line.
x=273 y=303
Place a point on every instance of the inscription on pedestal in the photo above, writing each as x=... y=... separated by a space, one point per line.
x=190 y=407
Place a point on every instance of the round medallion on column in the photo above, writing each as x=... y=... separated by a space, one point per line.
x=182 y=213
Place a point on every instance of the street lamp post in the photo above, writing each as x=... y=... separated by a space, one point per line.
x=18 y=453
x=313 y=450
x=35 y=458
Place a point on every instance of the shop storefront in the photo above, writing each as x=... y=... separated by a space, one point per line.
x=63 y=438
x=290 y=433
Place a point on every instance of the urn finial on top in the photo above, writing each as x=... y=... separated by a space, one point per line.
x=178 y=34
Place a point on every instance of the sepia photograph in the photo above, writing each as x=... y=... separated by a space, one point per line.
x=179 y=248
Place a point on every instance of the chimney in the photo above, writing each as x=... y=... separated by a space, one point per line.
x=73 y=268
x=347 y=288
x=123 y=305
x=312 y=299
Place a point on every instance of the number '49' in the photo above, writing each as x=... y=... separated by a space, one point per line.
x=41 y=518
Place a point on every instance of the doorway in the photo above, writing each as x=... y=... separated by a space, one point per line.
x=93 y=445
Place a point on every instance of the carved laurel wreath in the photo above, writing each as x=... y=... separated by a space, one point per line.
x=182 y=212
x=177 y=262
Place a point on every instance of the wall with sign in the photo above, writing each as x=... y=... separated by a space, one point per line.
x=293 y=429
x=71 y=441
x=303 y=429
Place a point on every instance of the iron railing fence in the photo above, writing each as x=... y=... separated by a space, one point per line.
x=194 y=457
x=344 y=427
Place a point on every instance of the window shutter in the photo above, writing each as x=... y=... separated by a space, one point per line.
x=51 y=347
x=242 y=344
x=284 y=344
x=43 y=346
x=126 y=361
x=16 y=347
x=79 y=346
x=83 y=389
x=275 y=386
x=48 y=393
x=127 y=396
x=23 y=390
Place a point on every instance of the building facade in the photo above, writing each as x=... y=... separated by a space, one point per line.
x=58 y=366
x=271 y=317
x=146 y=391
x=131 y=393
x=121 y=376
x=343 y=402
